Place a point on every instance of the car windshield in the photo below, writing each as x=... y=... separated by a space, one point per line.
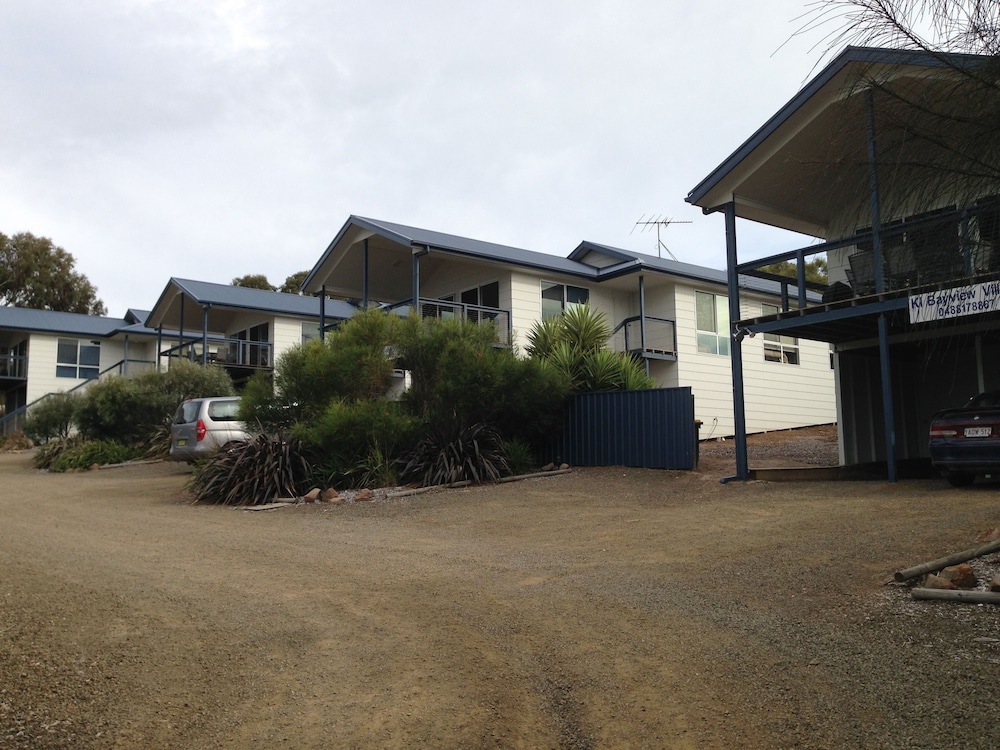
x=984 y=401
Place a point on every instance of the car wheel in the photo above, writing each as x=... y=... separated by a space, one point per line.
x=960 y=479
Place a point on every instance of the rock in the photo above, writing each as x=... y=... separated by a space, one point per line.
x=563 y=467
x=937 y=582
x=363 y=496
x=995 y=584
x=94 y=467
x=330 y=496
x=312 y=495
x=549 y=467
x=962 y=576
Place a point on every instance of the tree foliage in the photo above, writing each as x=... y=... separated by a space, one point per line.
x=816 y=269
x=38 y=274
x=254 y=281
x=293 y=283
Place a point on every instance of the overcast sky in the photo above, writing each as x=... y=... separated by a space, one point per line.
x=210 y=139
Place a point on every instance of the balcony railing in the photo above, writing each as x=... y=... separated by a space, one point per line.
x=225 y=352
x=931 y=251
x=13 y=366
x=443 y=309
x=660 y=339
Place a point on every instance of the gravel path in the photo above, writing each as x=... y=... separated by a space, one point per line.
x=601 y=608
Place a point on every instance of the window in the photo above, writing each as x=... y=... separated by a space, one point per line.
x=78 y=359
x=487 y=295
x=557 y=297
x=310 y=331
x=712 y=313
x=778 y=348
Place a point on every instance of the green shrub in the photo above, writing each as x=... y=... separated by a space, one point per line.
x=470 y=453
x=129 y=411
x=52 y=417
x=78 y=453
x=354 y=441
x=254 y=472
x=520 y=457
x=460 y=378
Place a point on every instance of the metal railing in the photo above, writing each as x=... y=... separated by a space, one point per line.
x=224 y=352
x=660 y=339
x=15 y=420
x=443 y=309
x=932 y=250
x=14 y=366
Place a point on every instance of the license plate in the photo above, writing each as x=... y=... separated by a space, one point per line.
x=975 y=432
x=182 y=441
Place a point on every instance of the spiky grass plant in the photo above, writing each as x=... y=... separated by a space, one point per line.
x=443 y=457
x=254 y=472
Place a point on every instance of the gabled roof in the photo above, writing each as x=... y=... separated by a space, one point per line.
x=50 y=321
x=245 y=298
x=589 y=261
x=439 y=242
x=799 y=168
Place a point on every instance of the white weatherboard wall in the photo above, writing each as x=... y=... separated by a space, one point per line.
x=777 y=395
x=285 y=333
x=42 y=350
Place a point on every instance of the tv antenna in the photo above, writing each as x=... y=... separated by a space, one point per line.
x=658 y=221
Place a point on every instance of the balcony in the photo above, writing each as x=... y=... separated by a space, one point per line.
x=659 y=342
x=922 y=255
x=13 y=367
x=225 y=352
x=444 y=310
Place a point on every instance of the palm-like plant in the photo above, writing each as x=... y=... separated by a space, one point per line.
x=575 y=344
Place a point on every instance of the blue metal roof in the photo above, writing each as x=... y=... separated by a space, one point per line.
x=50 y=321
x=418 y=238
x=246 y=298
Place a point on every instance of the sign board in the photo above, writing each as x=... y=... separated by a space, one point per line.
x=954 y=303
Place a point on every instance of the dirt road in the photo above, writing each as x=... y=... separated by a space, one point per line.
x=603 y=608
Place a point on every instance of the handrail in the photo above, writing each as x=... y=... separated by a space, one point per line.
x=7 y=418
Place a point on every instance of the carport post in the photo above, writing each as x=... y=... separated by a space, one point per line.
x=736 y=346
x=888 y=420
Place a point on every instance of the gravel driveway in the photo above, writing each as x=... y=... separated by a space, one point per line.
x=601 y=608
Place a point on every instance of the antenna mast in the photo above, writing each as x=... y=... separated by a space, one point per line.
x=658 y=222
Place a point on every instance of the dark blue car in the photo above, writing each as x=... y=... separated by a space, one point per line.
x=965 y=442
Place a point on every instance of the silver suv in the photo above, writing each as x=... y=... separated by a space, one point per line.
x=203 y=425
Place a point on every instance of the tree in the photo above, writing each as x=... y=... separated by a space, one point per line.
x=293 y=284
x=36 y=273
x=254 y=281
x=815 y=269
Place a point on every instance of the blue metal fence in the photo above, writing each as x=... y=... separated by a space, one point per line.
x=653 y=429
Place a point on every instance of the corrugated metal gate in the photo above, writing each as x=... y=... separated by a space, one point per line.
x=651 y=428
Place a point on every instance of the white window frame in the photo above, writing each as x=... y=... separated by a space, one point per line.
x=710 y=339
x=779 y=348
x=72 y=364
